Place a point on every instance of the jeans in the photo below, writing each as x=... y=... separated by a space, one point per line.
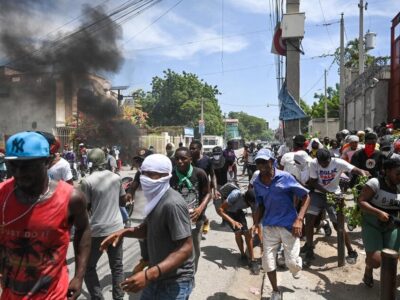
x=168 y=291
x=124 y=213
x=115 y=262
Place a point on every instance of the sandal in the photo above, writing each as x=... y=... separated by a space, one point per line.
x=368 y=280
x=206 y=227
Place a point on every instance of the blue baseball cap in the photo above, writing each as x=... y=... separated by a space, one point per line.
x=265 y=154
x=27 y=145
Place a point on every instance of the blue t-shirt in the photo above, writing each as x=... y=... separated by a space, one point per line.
x=277 y=199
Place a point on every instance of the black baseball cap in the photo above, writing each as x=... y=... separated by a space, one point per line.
x=142 y=154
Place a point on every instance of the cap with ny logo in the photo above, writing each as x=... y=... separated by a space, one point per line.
x=26 y=145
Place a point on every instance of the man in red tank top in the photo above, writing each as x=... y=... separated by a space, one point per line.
x=36 y=215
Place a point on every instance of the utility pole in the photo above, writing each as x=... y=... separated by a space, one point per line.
x=326 y=108
x=361 y=39
x=342 y=101
x=293 y=70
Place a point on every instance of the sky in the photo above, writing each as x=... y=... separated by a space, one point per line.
x=227 y=43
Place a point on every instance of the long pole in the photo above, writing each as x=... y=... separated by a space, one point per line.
x=202 y=120
x=326 y=108
x=340 y=233
x=361 y=39
x=341 y=89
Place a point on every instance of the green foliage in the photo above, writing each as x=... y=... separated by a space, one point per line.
x=351 y=56
x=318 y=107
x=175 y=99
x=252 y=128
x=352 y=214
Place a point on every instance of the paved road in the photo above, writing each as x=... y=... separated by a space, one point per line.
x=220 y=275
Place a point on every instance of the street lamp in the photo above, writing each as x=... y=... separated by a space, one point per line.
x=119 y=89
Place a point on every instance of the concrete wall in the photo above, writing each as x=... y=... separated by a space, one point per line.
x=375 y=110
x=366 y=98
x=317 y=127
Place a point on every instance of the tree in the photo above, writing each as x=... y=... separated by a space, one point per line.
x=251 y=127
x=135 y=115
x=176 y=99
x=318 y=107
x=351 y=55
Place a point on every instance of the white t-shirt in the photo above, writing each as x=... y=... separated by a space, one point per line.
x=288 y=164
x=61 y=170
x=329 y=177
x=282 y=150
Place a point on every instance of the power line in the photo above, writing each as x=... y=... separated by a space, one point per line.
x=319 y=79
x=135 y=6
x=203 y=40
x=323 y=16
x=239 y=69
x=242 y=105
x=154 y=21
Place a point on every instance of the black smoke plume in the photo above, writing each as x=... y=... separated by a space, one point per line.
x=91 y=49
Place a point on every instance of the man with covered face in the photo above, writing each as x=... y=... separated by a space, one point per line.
x=368 y=159
x=166 y=228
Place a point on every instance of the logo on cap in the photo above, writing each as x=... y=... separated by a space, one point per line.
x=18 y=145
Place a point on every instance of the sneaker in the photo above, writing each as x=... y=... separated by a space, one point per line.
x=352 y=257
x=140 y=266
x=254 y=267
x=296 y=275
x=276 y=295
x=327 y=229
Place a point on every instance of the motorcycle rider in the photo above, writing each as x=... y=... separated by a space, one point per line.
x=251 y=163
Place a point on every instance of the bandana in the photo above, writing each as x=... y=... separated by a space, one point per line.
x=185 y=178
x=302 y=157
x=154 y=189
x=369 y=149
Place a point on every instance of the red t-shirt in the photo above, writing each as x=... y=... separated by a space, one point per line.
x=33 y=249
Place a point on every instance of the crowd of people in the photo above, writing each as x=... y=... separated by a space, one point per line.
x=287 y=194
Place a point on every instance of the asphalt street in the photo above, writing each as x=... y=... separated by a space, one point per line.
x=220 y=274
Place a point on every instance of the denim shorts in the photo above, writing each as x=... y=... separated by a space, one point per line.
x=168 y=290
x=319 y=203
